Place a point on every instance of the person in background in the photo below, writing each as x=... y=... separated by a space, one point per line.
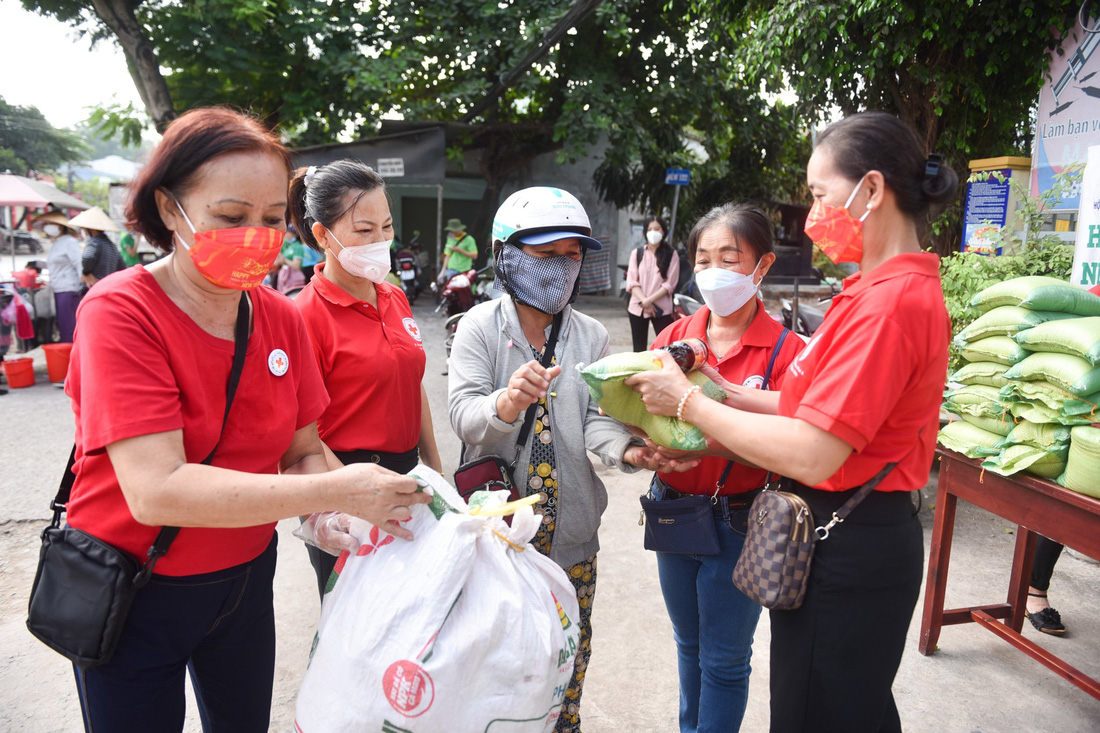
x=459 y=251
x=27 y=278
x=539 y=238
x=365 y=341
x=64 y=263
x=127 y=247
x=859 y=406
x=101 y=256
x=310 y=258
x=651 y=277
x=289 y=263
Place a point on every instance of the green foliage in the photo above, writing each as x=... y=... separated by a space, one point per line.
x=92 y=192
x=116 y=121
x=28 y=142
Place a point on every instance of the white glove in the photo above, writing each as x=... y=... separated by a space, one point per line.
x=328 y=531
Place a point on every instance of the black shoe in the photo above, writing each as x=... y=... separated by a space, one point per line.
x=1048 y=621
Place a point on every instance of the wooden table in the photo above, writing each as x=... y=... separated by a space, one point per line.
x=1038 y=507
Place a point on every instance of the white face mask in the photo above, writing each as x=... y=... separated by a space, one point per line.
x=370 y=261
x=51 y=230
x=725 y=291
x=654 y=237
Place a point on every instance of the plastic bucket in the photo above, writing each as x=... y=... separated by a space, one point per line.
x=20 y=372
x=57 y=360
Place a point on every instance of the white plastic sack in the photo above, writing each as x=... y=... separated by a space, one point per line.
x=466 y=628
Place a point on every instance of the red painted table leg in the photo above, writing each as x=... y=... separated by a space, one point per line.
x=1020 y=579
x=939 y=557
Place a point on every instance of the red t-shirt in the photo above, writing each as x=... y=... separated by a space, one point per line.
x=140 y=366
x=744 y=364
x=372 y=362
x=873 y=374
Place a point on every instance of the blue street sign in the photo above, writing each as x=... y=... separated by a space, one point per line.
x=677 y=176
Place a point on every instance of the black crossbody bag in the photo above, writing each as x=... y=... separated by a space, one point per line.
x=685 y=526
x=84 y=587
x=494 y=473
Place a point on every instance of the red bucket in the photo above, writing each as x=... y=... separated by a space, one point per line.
x=20 y=372
x=57 y=360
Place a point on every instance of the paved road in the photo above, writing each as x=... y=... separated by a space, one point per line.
x=975 y=683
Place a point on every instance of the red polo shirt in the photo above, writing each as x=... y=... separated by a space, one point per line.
x=873 y=374
x=140 y=366
x=372 y=362
x=744 y=364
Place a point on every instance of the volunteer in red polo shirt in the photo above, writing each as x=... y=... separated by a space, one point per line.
x=365 y=340
x=862 y=396
x=713 y=622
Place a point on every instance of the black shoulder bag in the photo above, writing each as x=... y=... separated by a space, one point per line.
x=494 y=473
x=84 y=587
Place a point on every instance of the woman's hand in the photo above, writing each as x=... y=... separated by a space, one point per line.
x=527 y=385
x=647 y=457
x=661 y=391
x=328 y=531
x=381 y=497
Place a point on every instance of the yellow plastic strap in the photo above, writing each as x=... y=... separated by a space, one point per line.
x=513 y=545
x=510 y=508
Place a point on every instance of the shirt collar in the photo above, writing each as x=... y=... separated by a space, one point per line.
x=336 y=295
x=910 y=263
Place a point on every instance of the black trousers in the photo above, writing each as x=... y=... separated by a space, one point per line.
x=322 y=562
x=1047 y=552
x=834 y=659
x=639 y=329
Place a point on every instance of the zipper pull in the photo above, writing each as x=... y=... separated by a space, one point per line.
x=641 y=518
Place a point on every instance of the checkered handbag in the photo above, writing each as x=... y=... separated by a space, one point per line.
x=774 y=566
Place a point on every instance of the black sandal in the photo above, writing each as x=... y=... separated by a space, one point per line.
x=1047 y=620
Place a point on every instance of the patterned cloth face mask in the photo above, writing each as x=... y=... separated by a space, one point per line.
x=370 y=261
x=834 y=230
x=547 y=284
x=238 y=258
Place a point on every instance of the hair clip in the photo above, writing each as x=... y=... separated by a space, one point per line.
x=309 y=175
x=932 y=166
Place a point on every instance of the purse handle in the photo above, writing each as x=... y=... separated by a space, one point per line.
x=167 y=535
x=529 y=416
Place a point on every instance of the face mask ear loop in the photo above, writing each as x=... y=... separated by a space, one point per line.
x=853 y=196
x=333 y=235
x=753 y=275
x=187 y=219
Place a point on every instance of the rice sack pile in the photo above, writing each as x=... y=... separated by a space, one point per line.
x=605 y=383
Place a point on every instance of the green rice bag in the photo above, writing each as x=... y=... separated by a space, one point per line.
x=1040 y=413
x=1047 y=436
x=1066 y=372
x=605 y=382
x=1017 y=458
x=970 y=440
x=1038 y=293
x=999 y=349
x=999 y=425
x=1006 y=320
x=1077 y=336
x=978 y=400
x=989 y=373
x=1053 y=397
x=1083 y=464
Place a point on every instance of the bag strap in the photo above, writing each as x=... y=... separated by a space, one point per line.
x=775 y=354
x=167 y=535
x=547 y=359
x=864 y=491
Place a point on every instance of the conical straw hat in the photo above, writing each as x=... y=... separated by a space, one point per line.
x=95 y=218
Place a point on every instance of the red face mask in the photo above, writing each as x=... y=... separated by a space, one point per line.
x=834 y=230
x=238 y=258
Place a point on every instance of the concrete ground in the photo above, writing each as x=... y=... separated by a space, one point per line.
x=975 y=683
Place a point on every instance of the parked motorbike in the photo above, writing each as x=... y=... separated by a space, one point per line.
x=810 y=316
x=408 y=272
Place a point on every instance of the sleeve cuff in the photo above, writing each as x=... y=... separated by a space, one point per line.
x=833 y=426
x=494 y=420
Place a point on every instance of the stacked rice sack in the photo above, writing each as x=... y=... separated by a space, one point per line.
x=1035 y=354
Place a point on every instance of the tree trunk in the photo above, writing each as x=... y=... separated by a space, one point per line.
x=118 y=15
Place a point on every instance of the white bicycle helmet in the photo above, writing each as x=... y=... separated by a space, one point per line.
x=540 y=215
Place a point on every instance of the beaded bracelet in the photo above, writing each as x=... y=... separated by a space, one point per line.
x=684 y=400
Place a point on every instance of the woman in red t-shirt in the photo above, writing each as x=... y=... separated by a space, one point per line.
x=862 y=396
x=148 y=378
x=365 y=340
x=713 y=622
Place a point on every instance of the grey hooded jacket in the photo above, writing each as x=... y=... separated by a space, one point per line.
x=489 y=347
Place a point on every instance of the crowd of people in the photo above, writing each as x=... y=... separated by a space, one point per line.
x=305 y=435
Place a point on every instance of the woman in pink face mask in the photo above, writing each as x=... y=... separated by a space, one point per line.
x=859 y=406
x=365 y=341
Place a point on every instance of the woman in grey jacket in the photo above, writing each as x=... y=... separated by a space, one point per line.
x=539 y=237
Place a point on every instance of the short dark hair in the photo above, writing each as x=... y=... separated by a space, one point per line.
x=749 y=225
x=193 y=139
x=324 y=198
x=877 y=141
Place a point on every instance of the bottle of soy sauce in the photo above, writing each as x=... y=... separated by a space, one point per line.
x=689 y=354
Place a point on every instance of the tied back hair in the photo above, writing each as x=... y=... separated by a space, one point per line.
x=334 y=189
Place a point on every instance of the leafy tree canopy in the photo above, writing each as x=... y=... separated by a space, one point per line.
x=28 y=142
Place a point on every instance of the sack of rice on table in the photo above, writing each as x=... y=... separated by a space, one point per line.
x=1076 y=337
x=465 y=628
x=1039 y=449
x=1038 y=293
x=970 y=440
x=1006 y=320
x=998 y=349
x=989 y=373
x=1066 y=372
x=978 y=400
x=1078 y=410
x=1083 y=464
x=605 y=383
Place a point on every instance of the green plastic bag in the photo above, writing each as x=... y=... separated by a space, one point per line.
x=1038 y=293
x=989 y=373
x=970 y=440
x=1056 y=399
x=605 y=383
x=1006 y=320
x=1070 y=373
x=978 y=400
x=1017 y=458
x=1077 y=336
x=999 y=349
x=1083 y=464
x=1040 y=413
x=1000 y=425
x=1047 y=436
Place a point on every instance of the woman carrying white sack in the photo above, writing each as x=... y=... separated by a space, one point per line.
x=540 y=236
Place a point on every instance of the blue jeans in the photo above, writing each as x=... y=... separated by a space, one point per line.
x=713 y=624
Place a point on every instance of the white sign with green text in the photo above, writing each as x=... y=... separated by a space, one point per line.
x=1086 y=254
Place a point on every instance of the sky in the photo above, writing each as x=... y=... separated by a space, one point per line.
x=62 y=76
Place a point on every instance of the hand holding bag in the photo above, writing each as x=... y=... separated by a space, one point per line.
x=84 y=587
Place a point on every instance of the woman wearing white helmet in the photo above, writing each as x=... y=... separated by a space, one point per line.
x=540 y=236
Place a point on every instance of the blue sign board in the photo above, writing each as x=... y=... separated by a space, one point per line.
x=677 y=176
x=987 y=194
